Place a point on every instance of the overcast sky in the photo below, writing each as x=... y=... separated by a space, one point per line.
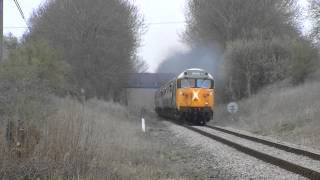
x=158 y=41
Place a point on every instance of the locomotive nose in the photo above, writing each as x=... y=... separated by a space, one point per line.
x=195 y=95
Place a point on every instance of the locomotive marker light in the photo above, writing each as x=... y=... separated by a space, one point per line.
x=232 y=109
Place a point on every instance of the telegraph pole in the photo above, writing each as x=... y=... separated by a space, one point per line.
x=1 y=30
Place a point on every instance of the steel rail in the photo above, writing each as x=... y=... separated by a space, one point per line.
x=294 y=150
x=287 y=165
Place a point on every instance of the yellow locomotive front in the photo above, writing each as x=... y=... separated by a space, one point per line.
x=195 y=96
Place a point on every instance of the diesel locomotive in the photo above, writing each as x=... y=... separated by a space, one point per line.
x=188 y=97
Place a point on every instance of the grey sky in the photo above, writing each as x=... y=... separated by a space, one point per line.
x=158 y=41
x=12 y=20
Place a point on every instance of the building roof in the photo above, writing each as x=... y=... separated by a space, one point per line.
x=149 y=80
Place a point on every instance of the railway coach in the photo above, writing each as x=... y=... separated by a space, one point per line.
x=188 y=97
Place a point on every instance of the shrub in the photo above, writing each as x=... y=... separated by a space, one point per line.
x=95 y=139
x=28 y=77
x=304 y=59
x=252 y=64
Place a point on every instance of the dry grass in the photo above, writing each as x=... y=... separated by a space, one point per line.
x=96 y=140
x=291 y=113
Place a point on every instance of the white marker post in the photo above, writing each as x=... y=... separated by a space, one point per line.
x=143 y=122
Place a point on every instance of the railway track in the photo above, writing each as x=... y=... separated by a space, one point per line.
x=299 y=161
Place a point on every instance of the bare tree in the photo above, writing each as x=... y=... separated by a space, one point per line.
x=251 y=64
x=315 y=15
x=97 y=38
x=304 y=60
x=221 y=21
x=257 y=39
x=140 y=65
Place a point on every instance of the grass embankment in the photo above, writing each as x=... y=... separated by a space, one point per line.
x=289 y=113
x=94 y=140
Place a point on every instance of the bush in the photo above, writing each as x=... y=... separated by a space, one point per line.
x=91 y=140
x=27 y=79
x=304 y=61
x=252 y=64
x=43 y=136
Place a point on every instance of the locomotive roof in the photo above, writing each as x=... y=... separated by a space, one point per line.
x=195 y=73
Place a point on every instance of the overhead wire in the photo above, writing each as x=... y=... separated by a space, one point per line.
x=150 y=23
x=15 y=27
x=166 y=22
x=19 y=8
x=22 y=15
x=25 y=20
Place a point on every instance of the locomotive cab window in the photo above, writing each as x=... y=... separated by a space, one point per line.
x=195 y=83
x=204 y=83
x=187 y=83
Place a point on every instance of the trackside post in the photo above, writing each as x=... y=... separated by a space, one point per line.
x=143 y=123
x=233 y=108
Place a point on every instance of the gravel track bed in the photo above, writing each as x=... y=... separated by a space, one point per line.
x=238 y=165
x=297 y=159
